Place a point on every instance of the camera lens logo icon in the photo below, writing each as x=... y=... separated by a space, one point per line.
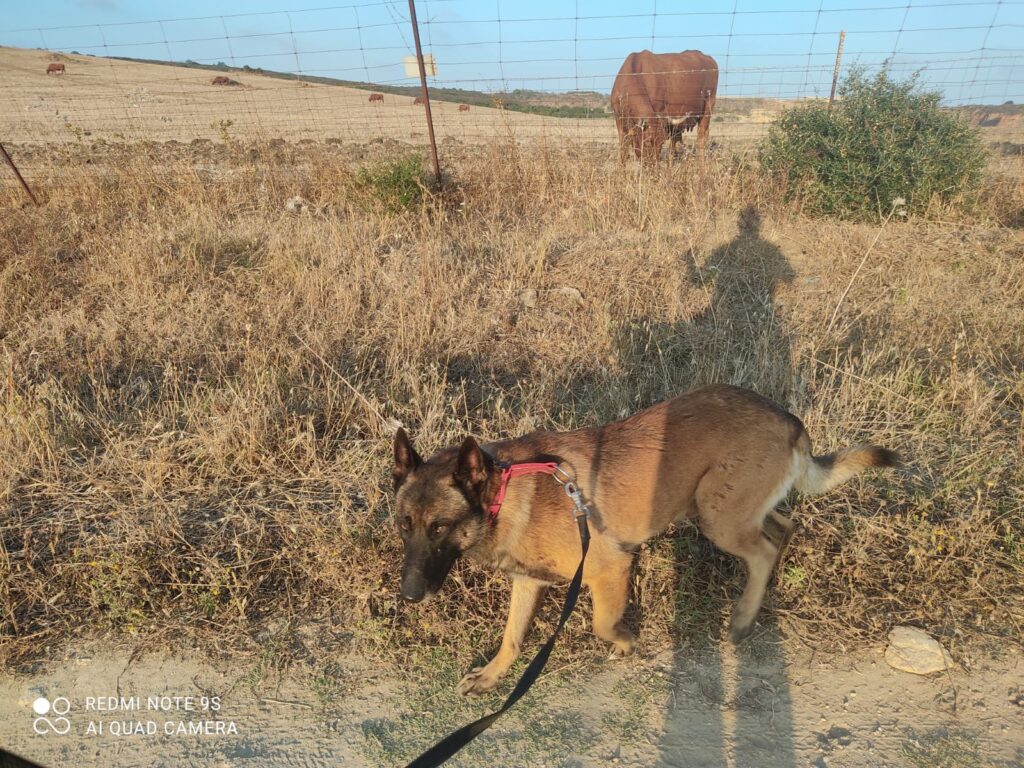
x=58 y=724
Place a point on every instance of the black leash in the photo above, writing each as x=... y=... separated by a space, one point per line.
x=456 y=740
x=11 y=760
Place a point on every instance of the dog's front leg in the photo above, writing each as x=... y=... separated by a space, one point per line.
x=526 y=594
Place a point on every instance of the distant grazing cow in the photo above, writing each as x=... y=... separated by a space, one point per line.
x=418 y=100
x=658 y=96
x=376 y=97
x=56 y=69
x=463 y=107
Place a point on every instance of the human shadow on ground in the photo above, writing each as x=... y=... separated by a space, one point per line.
x=740 y=338
x=727 y=706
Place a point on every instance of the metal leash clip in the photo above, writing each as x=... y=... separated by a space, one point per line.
x=564 y=479
x=577 y=498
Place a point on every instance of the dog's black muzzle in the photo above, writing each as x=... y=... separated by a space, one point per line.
x=414 y=586
x=424 y=571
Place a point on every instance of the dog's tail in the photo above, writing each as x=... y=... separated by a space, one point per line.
x=823 y=473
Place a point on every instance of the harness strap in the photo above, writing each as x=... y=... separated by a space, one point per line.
x=508 y=471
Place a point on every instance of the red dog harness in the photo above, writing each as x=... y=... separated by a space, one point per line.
x=508 y=471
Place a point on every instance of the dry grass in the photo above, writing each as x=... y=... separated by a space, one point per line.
x=196 y=387
x=111 y=100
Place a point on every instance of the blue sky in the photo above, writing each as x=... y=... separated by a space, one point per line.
x=785 y=48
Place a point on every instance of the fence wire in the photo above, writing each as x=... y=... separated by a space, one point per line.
x=527 y=69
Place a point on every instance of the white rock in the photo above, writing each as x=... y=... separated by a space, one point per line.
x=913 y=650
x=29 y=695
x=296 y=205
x=528 y=298
x=568 y=294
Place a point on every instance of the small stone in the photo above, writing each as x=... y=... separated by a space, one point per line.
x=296 y=205
x=913 y=650
x=569 y=294
x=836 y=736
x=528 y=298
x=30 y=695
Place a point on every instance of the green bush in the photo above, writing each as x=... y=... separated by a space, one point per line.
x=881 y=141
x=394 y=184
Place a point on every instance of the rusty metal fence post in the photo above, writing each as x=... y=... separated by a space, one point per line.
x=426 y=93
x=24 y=184
x=835 y=72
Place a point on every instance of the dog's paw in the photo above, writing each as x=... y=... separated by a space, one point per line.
x=624 y=646
x=740 y=631
x=477 y=682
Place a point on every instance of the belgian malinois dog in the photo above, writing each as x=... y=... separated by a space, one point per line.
x=723 y=455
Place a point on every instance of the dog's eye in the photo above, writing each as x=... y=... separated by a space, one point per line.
x=438 y=528
x=405 y=523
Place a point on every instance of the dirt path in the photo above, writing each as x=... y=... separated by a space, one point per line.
x=764 y=706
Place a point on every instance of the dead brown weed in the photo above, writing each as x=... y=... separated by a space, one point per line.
x=198 y=386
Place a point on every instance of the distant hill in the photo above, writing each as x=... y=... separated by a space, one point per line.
x=579 y=104
x=573 y=104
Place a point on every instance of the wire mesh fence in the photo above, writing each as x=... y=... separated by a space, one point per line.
x=340 y=73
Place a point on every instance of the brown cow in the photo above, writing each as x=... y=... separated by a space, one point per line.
x=463 y=107
x=56 y=69
x=418 y=100
x=659 y=95
x=377 y=97
x=223 y=80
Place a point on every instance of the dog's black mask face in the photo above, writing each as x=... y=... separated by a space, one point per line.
x=439 y=511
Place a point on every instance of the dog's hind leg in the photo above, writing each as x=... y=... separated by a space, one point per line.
x=610 y=591
x=526 y=595
x=733 y=508
x=759 y=554
x=783 y=529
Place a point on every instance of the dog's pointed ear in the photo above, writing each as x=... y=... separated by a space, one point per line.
x=473 y=467
x=406 y=458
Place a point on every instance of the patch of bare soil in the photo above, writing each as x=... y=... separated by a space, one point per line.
x=766 y=704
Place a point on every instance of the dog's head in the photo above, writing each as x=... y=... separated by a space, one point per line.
x=439 y=509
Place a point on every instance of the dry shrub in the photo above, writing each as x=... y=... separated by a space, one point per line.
x=198 y=388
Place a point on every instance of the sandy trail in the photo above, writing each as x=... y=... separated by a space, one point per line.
x=767 y=706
